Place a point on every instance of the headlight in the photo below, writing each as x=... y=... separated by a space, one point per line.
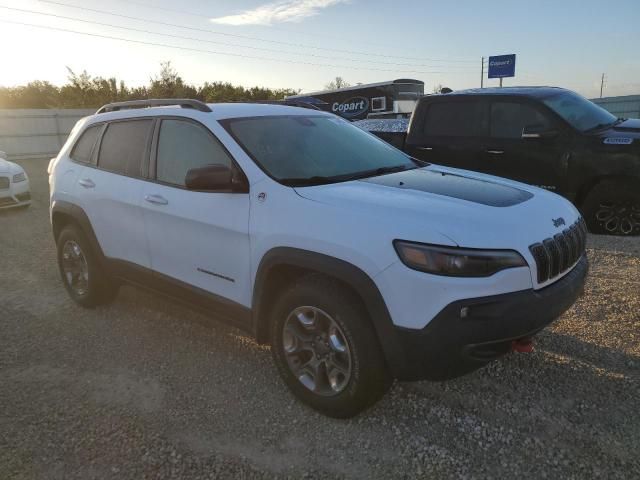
x=19 y=177
x=456 y=262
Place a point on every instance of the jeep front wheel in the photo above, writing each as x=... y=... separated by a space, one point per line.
x=325 y=348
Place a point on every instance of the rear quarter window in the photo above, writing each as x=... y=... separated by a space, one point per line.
x=83 y=148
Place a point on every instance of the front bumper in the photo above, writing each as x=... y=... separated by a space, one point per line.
x=455 y=343
x=17 y=195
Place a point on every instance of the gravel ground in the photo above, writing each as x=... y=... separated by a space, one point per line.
x=145 y=388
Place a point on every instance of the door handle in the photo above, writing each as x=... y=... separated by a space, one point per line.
x=495 y=152
x=156 y=199
x=425 y=148
x=86 y=183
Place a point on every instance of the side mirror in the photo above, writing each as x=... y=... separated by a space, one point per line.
x=538 y=131
x=3 y=155
x=210 y=178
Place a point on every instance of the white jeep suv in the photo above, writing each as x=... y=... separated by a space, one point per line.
x=356 y=262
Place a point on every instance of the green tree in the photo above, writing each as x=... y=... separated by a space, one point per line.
x=85 y=91
x=336 y=83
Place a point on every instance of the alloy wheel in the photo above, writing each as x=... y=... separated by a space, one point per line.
x=619 y=218
x=317 y=351
x=75 y=268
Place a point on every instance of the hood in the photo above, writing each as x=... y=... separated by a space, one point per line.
x=630 y=124
x=623 y=134
x=472 y=209
x=6 y=166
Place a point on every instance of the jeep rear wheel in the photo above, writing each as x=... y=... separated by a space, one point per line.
x=326 y=349
x=82 y=274
x=613 y=208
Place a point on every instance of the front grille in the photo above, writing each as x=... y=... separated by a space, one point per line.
x=4 y=183
x=555 y=255
x=4 y=201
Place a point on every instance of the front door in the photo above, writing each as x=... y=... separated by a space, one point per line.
x=538 y=161
x=199 y=238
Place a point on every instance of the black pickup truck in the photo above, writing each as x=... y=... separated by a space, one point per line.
x=545 y=136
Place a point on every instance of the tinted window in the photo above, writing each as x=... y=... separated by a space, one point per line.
x=509 y=118
x=455 y=119
x=579 y=112
x=84 y=146
x=185 y=145
x=300 y=149
x=123 y=147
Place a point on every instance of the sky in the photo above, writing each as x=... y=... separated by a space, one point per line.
x=304 y=44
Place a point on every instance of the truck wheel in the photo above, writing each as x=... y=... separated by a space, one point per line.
x=613 y=207
x=82 y=274
x=325 y=348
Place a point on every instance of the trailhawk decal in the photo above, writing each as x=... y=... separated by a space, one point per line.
x=456 y=186
x=351 y=108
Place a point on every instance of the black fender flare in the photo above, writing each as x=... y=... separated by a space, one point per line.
x=78 y=216
x=344 y=271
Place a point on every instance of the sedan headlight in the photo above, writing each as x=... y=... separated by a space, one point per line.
x=456 y=262
x=19 y=177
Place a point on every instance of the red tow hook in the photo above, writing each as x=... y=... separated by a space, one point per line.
x=522 y=345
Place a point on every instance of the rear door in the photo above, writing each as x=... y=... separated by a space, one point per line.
x=537 y=161
x=199 y=238
x=110 y=192
x=449 y=131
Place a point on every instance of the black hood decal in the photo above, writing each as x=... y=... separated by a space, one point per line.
x=456 y=186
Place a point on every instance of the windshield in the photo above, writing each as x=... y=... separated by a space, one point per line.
x=581 y=113
x=302 y=150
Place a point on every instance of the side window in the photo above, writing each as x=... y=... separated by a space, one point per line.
x=123 y=147
x=509 y=118
x=84 y=145
x=184 y=145
x=455 y=119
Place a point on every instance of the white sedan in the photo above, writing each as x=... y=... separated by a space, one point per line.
x=14 y=184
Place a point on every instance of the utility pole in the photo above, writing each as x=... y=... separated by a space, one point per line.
x=482 y=74
x=601 y=85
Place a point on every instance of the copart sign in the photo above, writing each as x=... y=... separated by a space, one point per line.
x=351 y=108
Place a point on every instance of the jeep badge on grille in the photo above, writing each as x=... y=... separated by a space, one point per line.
x=557 y=222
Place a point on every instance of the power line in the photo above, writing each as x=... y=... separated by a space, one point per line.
x=182 y=37
x=248 y=37
x=271 y=27
x=141 y=42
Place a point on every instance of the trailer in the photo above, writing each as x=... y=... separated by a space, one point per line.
x=392 y=99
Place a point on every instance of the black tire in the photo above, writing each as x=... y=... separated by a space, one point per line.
x=98 y=288
x=369 y=378
x=612 y=207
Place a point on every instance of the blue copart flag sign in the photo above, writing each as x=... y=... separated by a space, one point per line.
x=502 y=66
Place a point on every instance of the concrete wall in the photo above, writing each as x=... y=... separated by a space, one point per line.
x=627 y=106
x=36 y=133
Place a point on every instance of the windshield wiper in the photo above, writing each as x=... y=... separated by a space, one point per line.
x=601 y=126
x=375 y=172
x=306 y=181
x=321 y=180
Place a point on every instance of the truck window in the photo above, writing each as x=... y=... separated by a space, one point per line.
x=455 y=119
x=509 y=118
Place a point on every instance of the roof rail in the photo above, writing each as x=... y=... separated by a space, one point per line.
x=155 y=102
x=289 y=103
